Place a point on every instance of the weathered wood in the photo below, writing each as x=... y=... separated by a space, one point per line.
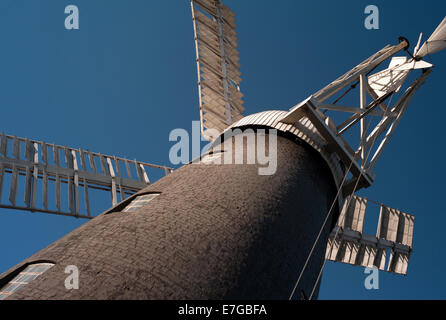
x=28 y=182
x=138 y=172
x=76 y=182
x=92 y=162
x=45 y=153
x=1 y=180
x=56 y=155
x=16 y=148
x=113 y=188
x=118 y=168
x=29 y=150
x=70 y=193
x=68 y=158
x=83 y=161
x=87 y=200
x=45 y=189
x=13 y=186
x=35 y=151
x=121 y=190
x=4 y=145
x=144 y=173
x=58 y=205
x=127 y=166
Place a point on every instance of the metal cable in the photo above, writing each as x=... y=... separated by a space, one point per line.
x=348 y=204
x=320 y=231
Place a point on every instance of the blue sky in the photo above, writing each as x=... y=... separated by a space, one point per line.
x=122 y=82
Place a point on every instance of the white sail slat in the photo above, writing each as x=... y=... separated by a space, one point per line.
x=217 y=65
x=436 y=42
x=348 y=244
x=23 y=177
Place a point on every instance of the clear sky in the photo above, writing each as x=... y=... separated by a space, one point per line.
x=127 y=77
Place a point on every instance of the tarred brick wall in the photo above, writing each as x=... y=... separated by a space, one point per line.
x=215 y=232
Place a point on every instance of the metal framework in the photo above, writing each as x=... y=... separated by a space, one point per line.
x=348 y=244
x=379 y=87
x=41 y=163
x=352 y=162
x=218 y=66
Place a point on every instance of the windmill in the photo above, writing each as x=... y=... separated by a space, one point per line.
x=219 y=231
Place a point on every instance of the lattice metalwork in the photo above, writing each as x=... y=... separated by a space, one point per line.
x=357 y=155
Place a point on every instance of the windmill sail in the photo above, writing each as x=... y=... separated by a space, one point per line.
x=45 y=167
x=218 y=66
x=393 y=78
x=389 y=79
x=353 y=217
x=396 y=226
x=436 y=42
x=348 y=244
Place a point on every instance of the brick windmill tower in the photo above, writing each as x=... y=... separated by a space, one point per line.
x=221 y=227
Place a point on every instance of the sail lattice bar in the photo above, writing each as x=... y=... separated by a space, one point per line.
x=349 y=244
x=45 y=166
x=219 y=78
